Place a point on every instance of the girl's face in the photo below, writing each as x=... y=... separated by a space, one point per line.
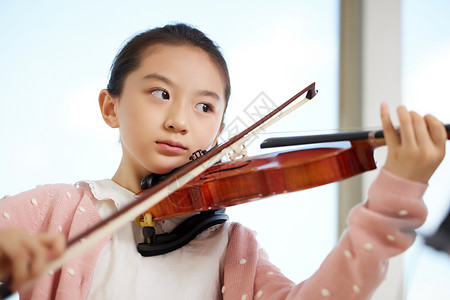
x=170 y=107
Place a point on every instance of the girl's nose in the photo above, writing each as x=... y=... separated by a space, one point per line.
x=176 y=120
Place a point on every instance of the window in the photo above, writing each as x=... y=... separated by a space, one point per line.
x=55 y=59
x=426 y=69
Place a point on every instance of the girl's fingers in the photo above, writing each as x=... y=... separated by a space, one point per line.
x=437 y=131
x=43 y=248
x=422 y=136
x=20 y=267
x=407 y=134
x=27 y=256
x=29 y=260
x=38 y=259
x=390 y=134
x=55 y=243
x=5 y=269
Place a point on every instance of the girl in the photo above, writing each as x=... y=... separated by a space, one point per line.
x=168 y=92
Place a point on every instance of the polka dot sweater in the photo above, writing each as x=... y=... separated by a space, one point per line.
x=378 y=229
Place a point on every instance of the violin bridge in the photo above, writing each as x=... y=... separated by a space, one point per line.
x=236 y=153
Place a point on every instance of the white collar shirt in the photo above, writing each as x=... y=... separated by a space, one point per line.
x=194 y=271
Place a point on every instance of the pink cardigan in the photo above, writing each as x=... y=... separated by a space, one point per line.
x=380 y=228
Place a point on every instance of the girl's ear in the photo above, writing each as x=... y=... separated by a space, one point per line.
x=108 y=108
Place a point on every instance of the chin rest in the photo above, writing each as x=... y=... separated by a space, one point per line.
x=157 y=244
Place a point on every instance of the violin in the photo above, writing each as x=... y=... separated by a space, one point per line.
x=240 y=181
x=203 y=185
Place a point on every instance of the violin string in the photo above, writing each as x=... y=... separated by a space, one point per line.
x=238 y=144
x=276 y=118
x=314 y=131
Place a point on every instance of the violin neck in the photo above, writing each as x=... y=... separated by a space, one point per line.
x=379 y=137
x=375 y=138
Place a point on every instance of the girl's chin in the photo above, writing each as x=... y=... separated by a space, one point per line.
x=167 y=168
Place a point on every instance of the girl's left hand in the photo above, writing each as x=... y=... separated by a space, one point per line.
x=419 y=149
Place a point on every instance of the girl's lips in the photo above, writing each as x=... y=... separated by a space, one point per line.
x=171 y=146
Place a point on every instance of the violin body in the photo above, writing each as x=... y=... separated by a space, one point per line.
x=231 y=183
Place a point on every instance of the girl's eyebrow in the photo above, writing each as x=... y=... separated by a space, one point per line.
x=167 y=81
x=209 y=94
x=160 y=78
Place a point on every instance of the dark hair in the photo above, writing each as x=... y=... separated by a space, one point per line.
x=129 y=57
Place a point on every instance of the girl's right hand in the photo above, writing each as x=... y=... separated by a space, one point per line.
x=23 y=255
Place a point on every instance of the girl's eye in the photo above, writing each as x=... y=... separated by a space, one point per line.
x=161 y=94
x=204 y=107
